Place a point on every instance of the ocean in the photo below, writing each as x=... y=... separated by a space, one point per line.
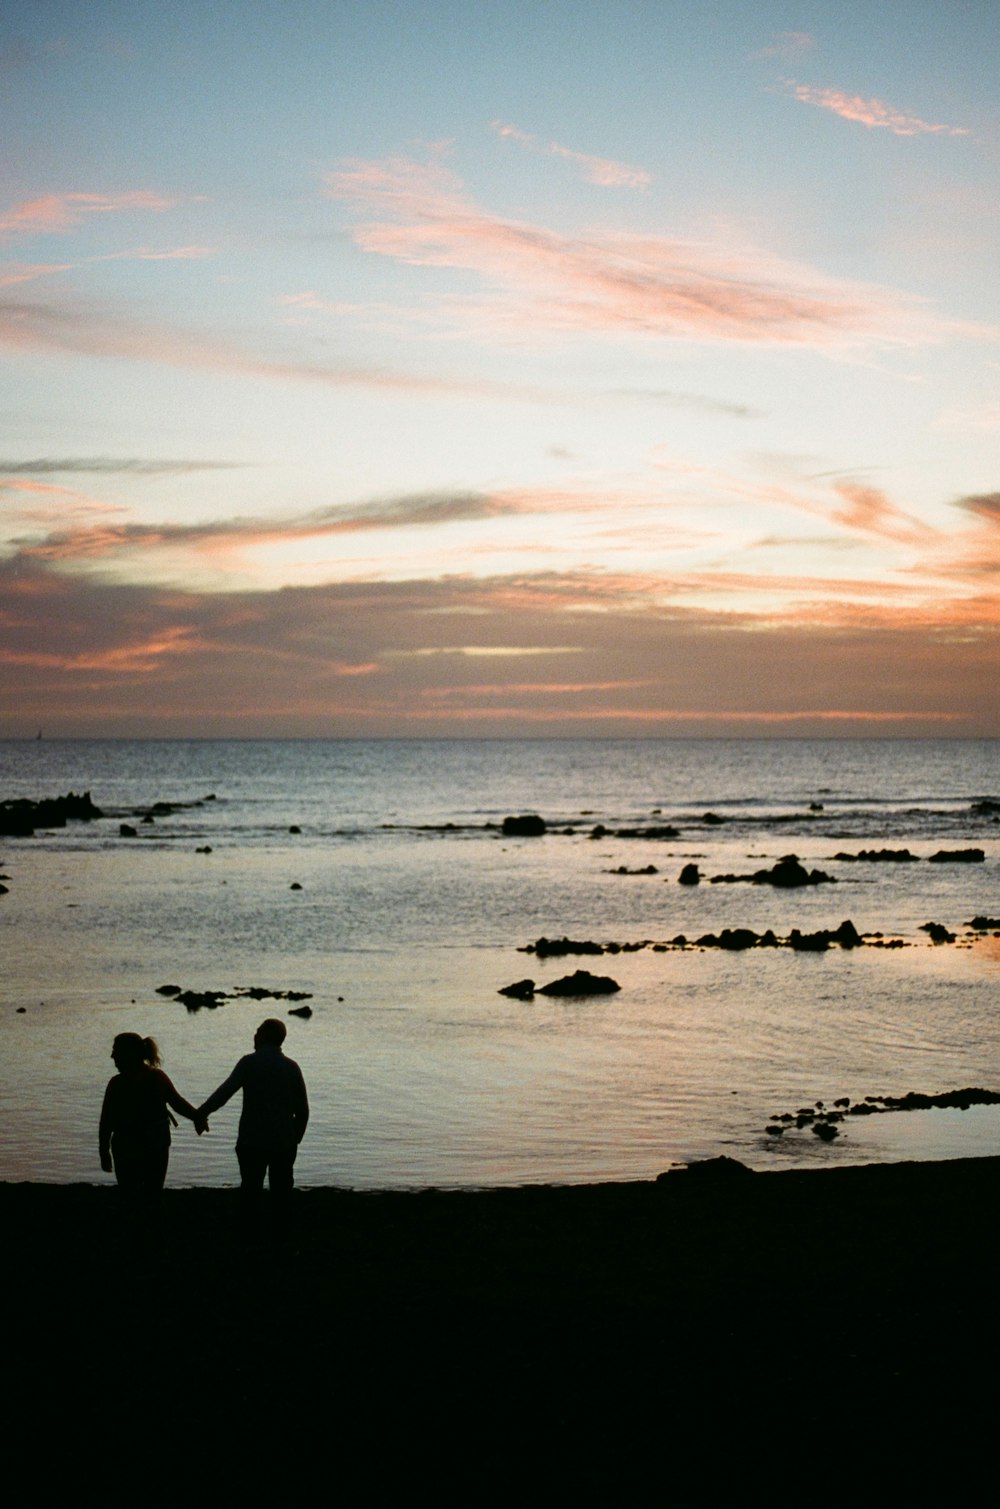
x=401 y=908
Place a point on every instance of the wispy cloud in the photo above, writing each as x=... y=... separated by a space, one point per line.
x=787 y=44
x=671 y=399
x=54 y=213
x=139 y=466
x=604 y=171
x=89 y=329
x=103 y=539
x=612 y=283
x=874 y=113
x=869 y=511
x=12 y=273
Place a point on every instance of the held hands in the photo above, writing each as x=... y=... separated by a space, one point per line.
x=200 y=1122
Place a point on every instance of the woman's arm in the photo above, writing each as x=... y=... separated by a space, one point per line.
x=176 y=1101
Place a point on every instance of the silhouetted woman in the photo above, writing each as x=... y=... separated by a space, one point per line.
x=135 y=1122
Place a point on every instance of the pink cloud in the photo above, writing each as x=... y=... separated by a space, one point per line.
x=611 y=282
x=869 y=512
x=53 y=213
x=872 y=113
x=604 y=171
x=79 y=653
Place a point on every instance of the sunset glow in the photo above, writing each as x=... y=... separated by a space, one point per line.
x=391 y=368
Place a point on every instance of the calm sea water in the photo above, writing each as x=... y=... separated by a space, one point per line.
x=409 y=919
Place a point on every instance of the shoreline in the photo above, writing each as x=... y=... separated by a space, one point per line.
x=624 y=1322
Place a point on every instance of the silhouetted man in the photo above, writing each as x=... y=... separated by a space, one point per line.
x=275 y=1111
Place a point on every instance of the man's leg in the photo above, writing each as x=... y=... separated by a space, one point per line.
x=280 y=1176
x=253 y=1164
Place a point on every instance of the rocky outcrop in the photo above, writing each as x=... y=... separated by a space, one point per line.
x=937 y=932
x=690 y=875
x=657 y=832
x=787 y=873
x=528 y=825
x=879 y=857
x=824 y=1123
x=958 y=857
x=582 y=983
x=21 y=817
x=209 y=1000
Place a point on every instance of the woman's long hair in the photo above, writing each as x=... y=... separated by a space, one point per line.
x=131 y=1051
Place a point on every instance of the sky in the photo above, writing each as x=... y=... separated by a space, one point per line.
x=514 y=368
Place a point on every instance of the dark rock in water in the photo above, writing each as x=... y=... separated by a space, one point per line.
x=529 y=825
x=149 y=818
x=714 y=1168
x=986 y=807
x=847 y=935
x=295 y=828
x=624 y=870
x=712 y=819
x=774 y=1131
x=20 y=817
x=196 y=1000
x=957 y=857
x=825 y=1132
x=732 y=938
x=168 y=990
x=295 y=886
x=125 y=830
x=556 y=948
x=984 y=924
x=787 y=874
x=937 y=932
x=582 y=983
x=660 y=832
x=690 y=875
x=737 y=938
x=879 y=856
x=813 y=943
x=303 y=1011
x=207 y=849
x=521 y=990
x=816 y=807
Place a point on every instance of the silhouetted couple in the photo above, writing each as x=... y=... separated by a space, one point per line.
x=135 y=1118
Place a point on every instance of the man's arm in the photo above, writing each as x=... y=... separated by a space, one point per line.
x=301 y=1107
x=106 y=1128
x=225 y=1092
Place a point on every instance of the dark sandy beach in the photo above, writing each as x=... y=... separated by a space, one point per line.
x=799 y=1332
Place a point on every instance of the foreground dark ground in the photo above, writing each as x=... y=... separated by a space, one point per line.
x=698 y=1340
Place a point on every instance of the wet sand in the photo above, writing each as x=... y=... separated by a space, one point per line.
x=690 y=1340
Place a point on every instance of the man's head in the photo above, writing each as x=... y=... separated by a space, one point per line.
x=270 y=1034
